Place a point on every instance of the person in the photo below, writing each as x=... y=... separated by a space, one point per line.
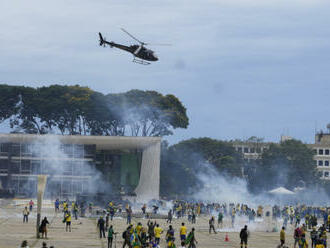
x=191 y=240
x=43 y=227
x=282 y=236
x=57 y=206
x=112 y=213
x=244 y=236
x=193 y=218
x=24 y=244
x=75 y=210
x=170 y=234
x=31 y=203
x=129 y=215
x=220 y=219
x=296 y=236
x=111 y=233
x=211 y=225
x=314 y=237
x=169 y=216
x=126 y=236
x=303 y=241
x=68 y=221
x=144 y=207
x=183 y=232
x=100 y=225
x=151 y=227
x=107 y=221
x=44 y=245
x=26 y=215
x=158 y=231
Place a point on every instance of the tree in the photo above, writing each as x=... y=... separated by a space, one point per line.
x=287 y=164
x=148 y=113
x=182 y=162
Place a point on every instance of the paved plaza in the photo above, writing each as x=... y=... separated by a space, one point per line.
x=85 y=234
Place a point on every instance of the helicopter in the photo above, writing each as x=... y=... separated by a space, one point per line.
x=142 y=55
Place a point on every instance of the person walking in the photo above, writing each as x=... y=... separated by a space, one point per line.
x=43 y=227
x=111 y=233
x=26 y=215
x=169 y=216
x=57 y=206
x=211 y=225
x=191 y=240
x=129 y=215
x=31 y=204
x=244 y=236
x=220 y=219
x=158 y=231
x=67 y=219
x=100 y=225
x=282 y=236
x=183 y=232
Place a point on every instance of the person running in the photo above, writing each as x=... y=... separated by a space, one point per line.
x=282 y=236
x=244 y=236
x=43 y=227
x=111 y=233
x=100 y=225
x=67 y=219
x=158 y=231
x=183 y=232
x=211 y=225
x=26 y=215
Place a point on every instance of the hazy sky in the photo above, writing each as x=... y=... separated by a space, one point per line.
x=241 y=67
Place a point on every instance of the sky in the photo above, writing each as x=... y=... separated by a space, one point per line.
x=241 y=67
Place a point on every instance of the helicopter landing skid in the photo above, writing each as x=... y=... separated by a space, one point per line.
x=140 y=61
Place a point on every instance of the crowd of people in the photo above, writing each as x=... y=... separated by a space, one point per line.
x=308 y=223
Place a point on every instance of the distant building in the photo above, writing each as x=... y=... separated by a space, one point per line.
x=321 y=149
x=251 y=150
x=73 y=163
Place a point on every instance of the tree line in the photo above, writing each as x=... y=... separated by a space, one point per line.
x=289 y=164
x=81 y=110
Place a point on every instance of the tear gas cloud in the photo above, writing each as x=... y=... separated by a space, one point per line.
x=57 y=161
x=222 y=188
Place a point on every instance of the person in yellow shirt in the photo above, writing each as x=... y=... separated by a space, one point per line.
x=158 y=231
x=183 y=232
x=138 y=228
x=282 y=236
x=68 y=221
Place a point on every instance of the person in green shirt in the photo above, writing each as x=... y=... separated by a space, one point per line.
x=111 y=233
x=220 y=218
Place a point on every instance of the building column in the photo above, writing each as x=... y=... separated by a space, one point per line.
x=148 y=187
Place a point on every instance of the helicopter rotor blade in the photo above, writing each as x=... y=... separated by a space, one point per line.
x=157 y=44
x=142 y=43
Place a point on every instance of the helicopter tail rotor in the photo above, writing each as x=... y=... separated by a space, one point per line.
x=102 y=43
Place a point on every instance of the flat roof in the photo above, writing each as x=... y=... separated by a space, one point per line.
x=101 y=142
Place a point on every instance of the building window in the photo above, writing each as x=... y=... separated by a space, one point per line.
x=320 y=162
x=320 y=151
x=326 y=174
x=258 y=150
x=326 y=151
x=314 y=151
x=246 y=150
x=239 y=149
x=252 y=150
x=326 y=162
